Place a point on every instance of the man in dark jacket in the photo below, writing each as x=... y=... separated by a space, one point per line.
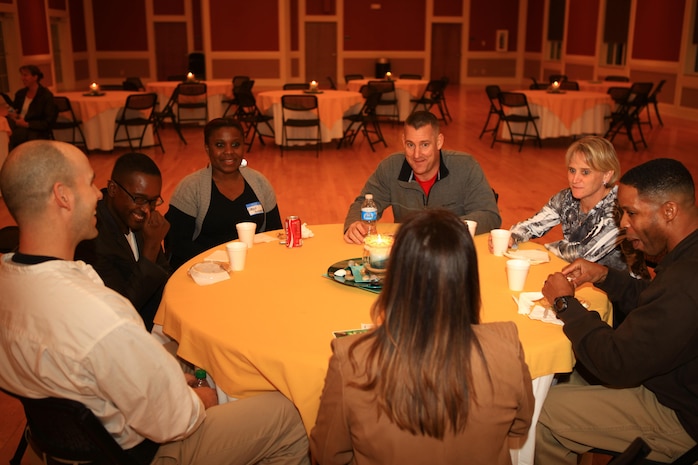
x=648 y=365
x=127 y=253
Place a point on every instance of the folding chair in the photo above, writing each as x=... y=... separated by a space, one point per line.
x=297 y=86
x=433 y=95
x=615 y=78
x=388 y=98
x=249 y=114
x=352 y=77
x=138 y=105
x=133 y=84
x=515 y=110
x=364 y=122
x=495 y=109
x=292 y=108
x=64 y=431
x=569 y=85
x=652 y=99
x=193 y=97
x=237 y=82
x=168 y=112
x=67 y=120
x=627 y=115
x=410 y=76
x=333 y=85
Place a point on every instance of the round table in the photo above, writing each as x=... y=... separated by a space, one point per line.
x=332 y=106
x=269 y=326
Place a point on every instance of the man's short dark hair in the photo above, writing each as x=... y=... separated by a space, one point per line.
x=656 y=178
x=419 y=119
x=134 y=162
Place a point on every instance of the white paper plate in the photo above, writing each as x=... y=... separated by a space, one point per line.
x=535 y=257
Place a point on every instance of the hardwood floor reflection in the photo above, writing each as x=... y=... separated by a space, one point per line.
x=319 y=190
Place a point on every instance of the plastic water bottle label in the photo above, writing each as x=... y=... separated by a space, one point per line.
x=369 y=214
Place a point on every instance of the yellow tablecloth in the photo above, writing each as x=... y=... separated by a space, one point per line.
x=269 y=327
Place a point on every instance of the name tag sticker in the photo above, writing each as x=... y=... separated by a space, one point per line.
x=254 y=208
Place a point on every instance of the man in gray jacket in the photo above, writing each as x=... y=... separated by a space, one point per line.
x=426 y=177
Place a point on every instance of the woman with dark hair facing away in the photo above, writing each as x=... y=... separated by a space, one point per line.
x=33 y=109
x=207 y=204
x=429 y=384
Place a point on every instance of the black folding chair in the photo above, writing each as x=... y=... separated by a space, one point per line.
x=193 y=97
x=168 y=112
x=492 y=92
x=626 y=117
x=139 y=111
x=67 y=120
x=515 y=110
x=433 y=95
x=249 y=114
x=388 y=98
x=364 y=122
x=300 y=112
x=238 y=81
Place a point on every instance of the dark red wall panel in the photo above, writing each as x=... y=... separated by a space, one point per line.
x=651 y=17
x=534 y=25
x=120 y=26
x=77 y=26
x=32 y=27
x=448 y=8
x=244 y=25
x=581 y=28
x=320 y=7
x=392 y=27
x=488 y=16
x=168 y=7
x=57 y=4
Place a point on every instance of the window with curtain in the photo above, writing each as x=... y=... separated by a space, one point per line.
x=556 y=29
x=615 y=32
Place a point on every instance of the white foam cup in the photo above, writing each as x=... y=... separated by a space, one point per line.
x=237 y=251
x=500 y=241
x=246 y=232
x=517 y=270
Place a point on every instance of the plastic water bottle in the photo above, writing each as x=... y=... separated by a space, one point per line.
x=200 y=376
x=369 y=214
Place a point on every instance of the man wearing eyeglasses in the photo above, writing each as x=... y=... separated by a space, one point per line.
x=127 y=253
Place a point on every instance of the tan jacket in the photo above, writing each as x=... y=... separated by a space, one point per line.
x=348 y=429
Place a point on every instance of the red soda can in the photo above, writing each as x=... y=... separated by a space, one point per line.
x=292 y=228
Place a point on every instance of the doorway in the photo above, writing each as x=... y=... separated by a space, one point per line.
x=171 y=49
x=446 y=51
x=321 y=52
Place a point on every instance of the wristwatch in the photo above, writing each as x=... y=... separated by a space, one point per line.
x=560 y=304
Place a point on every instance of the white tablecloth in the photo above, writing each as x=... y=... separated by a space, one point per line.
x=405 y=90
x=567 y=113
x=332 y=105
x=98 y=115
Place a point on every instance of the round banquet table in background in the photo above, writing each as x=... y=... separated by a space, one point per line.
x=567 y=113
x=216 y=91
x=332 y=106
x=98 y=114
x=405 y=90
x=269 y=326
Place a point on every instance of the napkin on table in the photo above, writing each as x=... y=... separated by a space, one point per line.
x=528 y=305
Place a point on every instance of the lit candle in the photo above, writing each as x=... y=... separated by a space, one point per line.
x=556 y=85
x=388 y=75
x=313 y=85
x=378 y=248
x=190 y=76
x=94 y=88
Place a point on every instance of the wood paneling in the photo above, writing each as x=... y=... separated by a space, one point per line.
x=120 y=26
x=658 y=30
x=534 y=25
x=168 y=7
x=502 y=67
x=78 y=33
x=244 y=25
x=392 y=27
x=33 y=28
x=448 y=8
x=581 y=29
x=260 y=69
x=488 y=16
x=122 y=67
x=320 y=7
